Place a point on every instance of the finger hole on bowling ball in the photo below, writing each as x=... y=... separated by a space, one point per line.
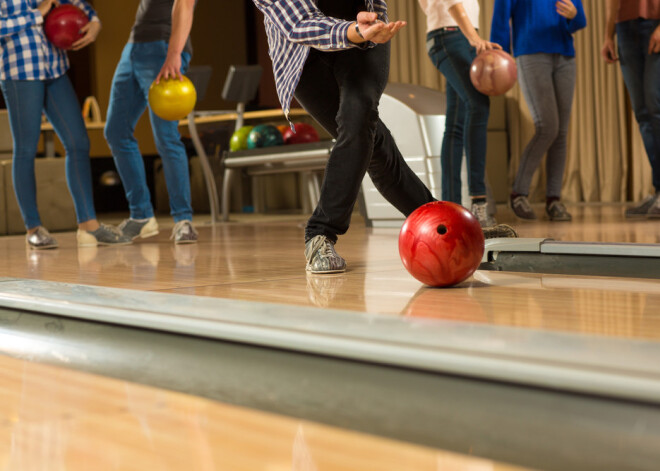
x=442 y=229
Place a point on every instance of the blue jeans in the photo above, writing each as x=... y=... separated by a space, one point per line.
x=641 y=73
x=26 y=100
x=137 y=69
x=466 y=116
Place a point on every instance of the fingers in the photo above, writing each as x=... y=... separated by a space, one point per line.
x=366 y=17
x=608 y=54
x=654 y=47
x=381 y=33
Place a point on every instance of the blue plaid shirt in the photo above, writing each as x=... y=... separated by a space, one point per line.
x=293 y=26
x=26 y=53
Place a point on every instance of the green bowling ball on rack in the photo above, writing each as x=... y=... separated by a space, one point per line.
x=239 y=139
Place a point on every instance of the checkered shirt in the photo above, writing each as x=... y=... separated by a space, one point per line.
x=25 y=51
x=293 y=27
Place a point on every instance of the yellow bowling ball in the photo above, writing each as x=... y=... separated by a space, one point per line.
x=172 y=99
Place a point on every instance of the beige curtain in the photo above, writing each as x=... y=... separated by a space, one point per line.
x=606 y=159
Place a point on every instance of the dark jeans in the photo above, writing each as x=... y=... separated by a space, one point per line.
x=641 y=72
x=341 y=91
x=466 y=117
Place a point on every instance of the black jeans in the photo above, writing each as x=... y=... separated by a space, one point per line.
x=341 y=91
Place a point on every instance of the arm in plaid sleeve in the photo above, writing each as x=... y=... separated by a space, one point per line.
x=302 y=23
x=380 y=7
x=86 y=7
x=13 y=24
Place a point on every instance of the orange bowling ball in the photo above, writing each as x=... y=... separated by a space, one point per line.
x=172 y=99
x=493 y=72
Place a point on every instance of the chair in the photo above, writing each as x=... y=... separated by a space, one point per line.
x=6 y=140
x=241 y=86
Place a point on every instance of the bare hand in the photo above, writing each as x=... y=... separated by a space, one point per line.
x=45 y=6
x=376 y=31
x=654 y=42
x=482 y=45
x=171 y=68
x=566 y=9
x=90 y=32
x=608 y=51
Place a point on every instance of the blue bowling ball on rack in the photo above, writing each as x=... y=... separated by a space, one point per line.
x=264 y=135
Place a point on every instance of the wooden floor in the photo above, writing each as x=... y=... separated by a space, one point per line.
x=55 y=419
x=45 y=419
x=261 y=259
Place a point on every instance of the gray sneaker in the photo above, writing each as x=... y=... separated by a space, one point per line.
x=556 y=211
x=184 y=233
x=40 y=239
x=104 y=235
x=499 y=231
x=654 y=210
x=134 y=229
x=321 y=256
x=641 y=209
x=480 y=211
x=522 y=208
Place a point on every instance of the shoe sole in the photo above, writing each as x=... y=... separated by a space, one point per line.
x=45 y=247
x=106 y=244
x=147 y=235
x=326 y=272
x=181 y=242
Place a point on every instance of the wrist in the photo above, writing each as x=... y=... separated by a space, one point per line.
x=354 y=34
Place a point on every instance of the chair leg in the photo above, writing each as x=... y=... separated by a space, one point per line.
x=226 y=193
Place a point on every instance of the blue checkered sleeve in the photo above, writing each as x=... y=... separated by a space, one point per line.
x=25 y=52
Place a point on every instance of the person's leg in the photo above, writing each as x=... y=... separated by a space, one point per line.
x=63 y=111
x=632 y=37
x=535 y=76
x=564 y=72
x=563 y=76
x=341 y=90
x=456 y=68
x=451 y=153
x=127 y=103
x=25 y=103
x=652 y=98
x=148 y=58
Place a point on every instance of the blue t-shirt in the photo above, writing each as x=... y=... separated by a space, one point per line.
x=536 y=27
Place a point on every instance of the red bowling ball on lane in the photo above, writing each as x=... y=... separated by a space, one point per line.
x=441 y=244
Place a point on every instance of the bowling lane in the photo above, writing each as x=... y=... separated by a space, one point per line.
x=495 y=422
x=62 y=419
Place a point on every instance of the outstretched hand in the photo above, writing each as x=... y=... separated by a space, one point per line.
x=374 y=30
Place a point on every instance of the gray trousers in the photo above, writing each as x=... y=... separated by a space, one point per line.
x=547 y=82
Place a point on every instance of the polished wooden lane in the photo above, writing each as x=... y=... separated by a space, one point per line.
x=260 y=259
x=57 y=419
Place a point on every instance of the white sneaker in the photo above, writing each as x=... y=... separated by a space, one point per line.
x=184 y=233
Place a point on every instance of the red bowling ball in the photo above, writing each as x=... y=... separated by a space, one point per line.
x=62 y=25
x=305 y=133
x=493 y=72
x=441 y=243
